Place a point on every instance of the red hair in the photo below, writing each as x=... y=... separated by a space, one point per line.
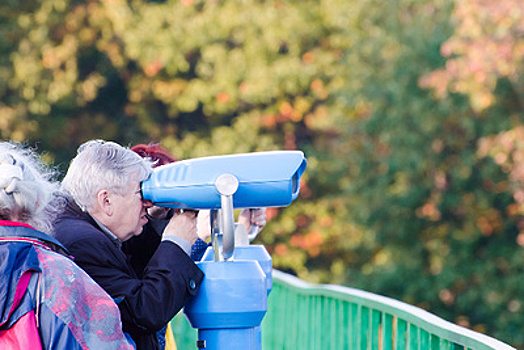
x=155 y=153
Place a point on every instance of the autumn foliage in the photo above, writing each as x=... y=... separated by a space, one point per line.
x=409 y=112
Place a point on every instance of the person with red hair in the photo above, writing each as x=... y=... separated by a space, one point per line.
x=157 y=154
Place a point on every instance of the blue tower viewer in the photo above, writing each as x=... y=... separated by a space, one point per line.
x=232 y=300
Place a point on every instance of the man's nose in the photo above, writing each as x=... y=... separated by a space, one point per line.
x=147 y=203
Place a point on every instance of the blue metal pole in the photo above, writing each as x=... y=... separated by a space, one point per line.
x=231 y=303
x=257 y=253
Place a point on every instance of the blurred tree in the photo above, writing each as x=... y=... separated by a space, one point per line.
x=58 y=88
x=485 y=63
x=445 y=237
x=397 y=199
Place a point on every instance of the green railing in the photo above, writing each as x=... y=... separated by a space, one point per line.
x=306 y=316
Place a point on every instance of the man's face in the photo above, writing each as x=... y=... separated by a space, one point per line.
x=129 y=212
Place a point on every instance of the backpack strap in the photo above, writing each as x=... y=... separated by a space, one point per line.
x=25 y=240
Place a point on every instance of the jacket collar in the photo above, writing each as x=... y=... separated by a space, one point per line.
x=22 y=230
x=74 y=210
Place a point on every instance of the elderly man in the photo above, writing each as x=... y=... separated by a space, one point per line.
x=104 y=209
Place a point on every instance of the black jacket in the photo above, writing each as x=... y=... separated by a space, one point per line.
x=148 y=302
x=139 y=249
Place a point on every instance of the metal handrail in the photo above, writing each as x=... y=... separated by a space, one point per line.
x=308 y=316
x=374 y=321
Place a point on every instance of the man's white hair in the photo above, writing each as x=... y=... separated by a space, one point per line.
x=102 y=165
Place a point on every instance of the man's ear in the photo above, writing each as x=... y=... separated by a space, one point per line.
x=103 y=199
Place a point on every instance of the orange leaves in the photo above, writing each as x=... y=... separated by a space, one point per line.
x=300 y=108
x=485 y=227
x=310 y=242
x=271 y=213
x=153 y=68
x=222 y=98
x=429 y=211
x=269 y=121
x=308 y=58
x=280 y=249
x=520 y=239
x=50 y=59
x=165 y=90
x=447 y=297
x=243 y=88
x=289 y=113
x=318 y=87
x=285 y=109
x=114 y=52
x=489 y=221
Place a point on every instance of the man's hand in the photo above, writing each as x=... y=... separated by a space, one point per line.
x=183 y=225
x=204 y=225
x=247 y=217
x=158 y=213
x=250 y=217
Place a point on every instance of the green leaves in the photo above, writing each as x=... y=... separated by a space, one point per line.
x=405 y=193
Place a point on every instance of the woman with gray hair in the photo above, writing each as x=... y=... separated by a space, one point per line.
x=47 y=302
x=26 y=187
